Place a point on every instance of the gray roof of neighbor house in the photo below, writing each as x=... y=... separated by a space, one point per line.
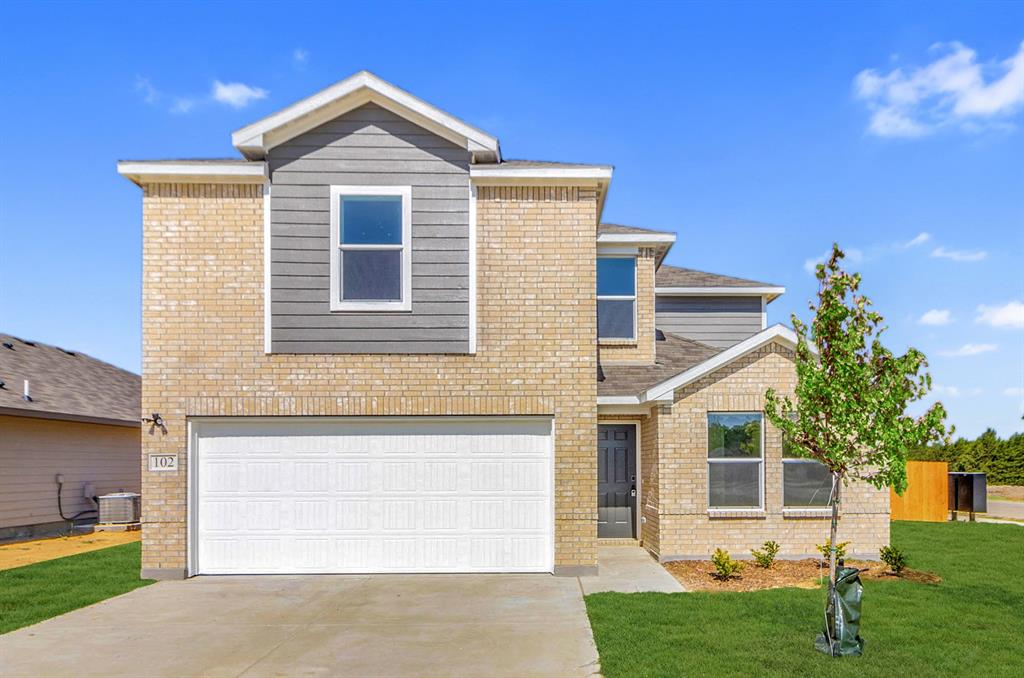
x=629 y=230
x=675 y=276
x=674 y=354
x=64 y=384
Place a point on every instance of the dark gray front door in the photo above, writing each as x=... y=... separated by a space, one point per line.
x=616 y=480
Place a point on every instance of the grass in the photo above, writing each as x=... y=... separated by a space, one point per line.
x=33 y=593
x=971 y=624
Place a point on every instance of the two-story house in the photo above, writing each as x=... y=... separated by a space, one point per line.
x=375 y=345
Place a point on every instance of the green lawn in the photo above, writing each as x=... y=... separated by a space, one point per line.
x=33 y=593
x=972 y=624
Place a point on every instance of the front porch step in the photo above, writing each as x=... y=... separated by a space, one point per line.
x=617 y=541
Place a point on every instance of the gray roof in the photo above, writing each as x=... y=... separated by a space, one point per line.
x=674 y=354
x=674 y=276
x=64 y=384
x=629 y=230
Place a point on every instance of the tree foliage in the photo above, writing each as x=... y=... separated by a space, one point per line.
x=852 y=392
x=1002 y=461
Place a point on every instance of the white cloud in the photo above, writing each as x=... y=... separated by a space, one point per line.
x=969 y=350
x=936 y=317
x=959 y=255
x=236 y=94
x=951 y=90
x=1014 y=392
x=183 y=105
x=1007 y=315
x=151 y=95
x=853 y=256
x=300 y=56
x=920 y=239
x=948 y=391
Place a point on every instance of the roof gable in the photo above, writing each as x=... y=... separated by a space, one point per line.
x=254 y=140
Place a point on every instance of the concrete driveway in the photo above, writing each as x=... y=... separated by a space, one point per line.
x=382 y=625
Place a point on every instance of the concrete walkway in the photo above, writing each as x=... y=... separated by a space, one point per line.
x=385 y=625
x=629 y=569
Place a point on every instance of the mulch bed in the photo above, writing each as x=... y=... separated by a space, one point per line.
x=697 y=575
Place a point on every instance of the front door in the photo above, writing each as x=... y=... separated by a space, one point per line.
x=616 y=480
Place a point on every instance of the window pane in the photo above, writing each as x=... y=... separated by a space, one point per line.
x=371 y=220
x=734 y=484
x=734 y=435
x=614 y=319
x=805 y=483
x=371 y=274
x=791 y=450
x=616 y=277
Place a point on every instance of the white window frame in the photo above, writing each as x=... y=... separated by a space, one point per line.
x=735 y=460
x=403 y=304
x=619 y=297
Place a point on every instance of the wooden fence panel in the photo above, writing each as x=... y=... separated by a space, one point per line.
x=927 y=495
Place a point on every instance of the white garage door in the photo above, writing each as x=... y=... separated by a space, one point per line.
x=372 y=495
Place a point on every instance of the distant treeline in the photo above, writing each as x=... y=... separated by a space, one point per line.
x=1002 y=460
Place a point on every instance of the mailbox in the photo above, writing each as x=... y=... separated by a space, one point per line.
x=968 y=492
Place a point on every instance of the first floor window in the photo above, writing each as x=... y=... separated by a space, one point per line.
x=616 y=297
x=735 y=460
x=371 y=248
x=806 y=483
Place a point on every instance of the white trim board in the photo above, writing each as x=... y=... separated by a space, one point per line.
x=256 y=139
x=267 y=242
x=764 y=291
x=192 y=172
x=595 y=173
x=635 y=239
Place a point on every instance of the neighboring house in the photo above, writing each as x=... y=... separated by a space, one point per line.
x=377 y=347
x=62 y=413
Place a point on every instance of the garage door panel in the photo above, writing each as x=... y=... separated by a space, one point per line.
x=427 y=496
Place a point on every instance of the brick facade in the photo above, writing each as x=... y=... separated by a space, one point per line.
x=203 y=351
x=642 y=350
x=675 y=474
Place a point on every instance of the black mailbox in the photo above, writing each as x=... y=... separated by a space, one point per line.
x=968 y=492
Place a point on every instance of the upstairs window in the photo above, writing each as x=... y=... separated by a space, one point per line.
x=735 y=461
x=371 y=253
x=616 y=298
x=806 y=483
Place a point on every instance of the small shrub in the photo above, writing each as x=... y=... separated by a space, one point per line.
x=766 y=556
x=894 y=558
x=725 y=566
x=840 y=549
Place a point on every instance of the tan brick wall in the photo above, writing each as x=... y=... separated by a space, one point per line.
x=203 y=342
x=642 y=350
x=684 y=528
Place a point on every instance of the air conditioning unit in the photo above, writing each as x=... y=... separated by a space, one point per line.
x=119 y=507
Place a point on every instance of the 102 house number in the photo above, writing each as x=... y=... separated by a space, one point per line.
x=163 y=462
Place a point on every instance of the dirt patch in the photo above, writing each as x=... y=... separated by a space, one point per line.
x=1006 y=492
x=697 y=575
x=38 y=550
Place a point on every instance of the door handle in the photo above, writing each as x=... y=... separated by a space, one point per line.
x=632 y=491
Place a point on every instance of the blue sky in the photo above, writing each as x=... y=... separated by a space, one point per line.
x=759 y=133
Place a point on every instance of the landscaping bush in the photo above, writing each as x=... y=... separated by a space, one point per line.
x=894 y=558
x=840 y=549
x=725 y=566
x=766 y=556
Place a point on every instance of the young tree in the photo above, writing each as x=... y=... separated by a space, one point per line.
x=852 y=394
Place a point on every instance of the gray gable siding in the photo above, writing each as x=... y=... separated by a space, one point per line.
x=716 y=321
x=369 y=146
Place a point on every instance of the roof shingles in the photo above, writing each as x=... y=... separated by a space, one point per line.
x=65 y=384
x=674 y=354
x=675 y=276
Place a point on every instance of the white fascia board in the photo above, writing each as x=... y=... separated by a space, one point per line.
x=338 y=99
x=501 y=174
x=779 y=333
x=637 y=239
x=721 y=291
x=618 y=400
x=141 y=171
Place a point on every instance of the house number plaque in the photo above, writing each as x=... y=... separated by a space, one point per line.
x=163 y=462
